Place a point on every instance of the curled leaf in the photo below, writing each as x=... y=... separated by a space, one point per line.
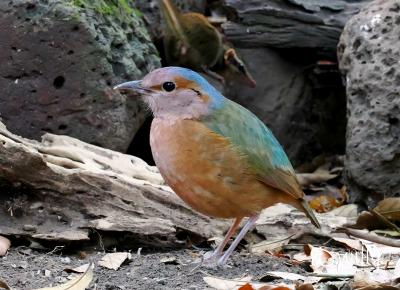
x=319 y=256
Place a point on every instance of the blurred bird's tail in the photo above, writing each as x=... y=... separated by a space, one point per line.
x=309 y=213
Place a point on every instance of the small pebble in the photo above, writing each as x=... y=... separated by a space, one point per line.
x=29 y=228
x=23 y=265
x=66 y=260
x=47 y=273
x=60 y=279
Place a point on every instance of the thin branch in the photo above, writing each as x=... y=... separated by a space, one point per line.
x=370 y=237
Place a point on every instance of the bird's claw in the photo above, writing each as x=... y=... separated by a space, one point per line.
x=210 y=260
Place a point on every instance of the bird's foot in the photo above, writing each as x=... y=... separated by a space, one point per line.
x=210 y=259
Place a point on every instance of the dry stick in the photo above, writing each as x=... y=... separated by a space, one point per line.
x=369 y=237
x=384 y=220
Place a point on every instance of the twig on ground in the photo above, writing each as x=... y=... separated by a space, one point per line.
x=369 y=237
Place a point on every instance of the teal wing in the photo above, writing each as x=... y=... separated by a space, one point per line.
x=257 y=144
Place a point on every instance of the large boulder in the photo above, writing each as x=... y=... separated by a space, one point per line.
x=59 y=60
x=369 y=54
x=289 y=24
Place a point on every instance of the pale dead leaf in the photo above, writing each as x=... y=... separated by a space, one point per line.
x=348 y=210
x=293 y=276
x=378 y=279
x=318 y=176
x=319 y=257
x=226 y=284
x=78 y=283
x=113 y=260
x=378 y=287
x=389 y=208
x=376 y=250
x=352 y=243
x=4 y=245
x=266 y=246
x=301 y=257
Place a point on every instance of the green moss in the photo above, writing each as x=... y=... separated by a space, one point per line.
x=117 y=8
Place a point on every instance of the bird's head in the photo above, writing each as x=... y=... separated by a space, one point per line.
x=175 y=92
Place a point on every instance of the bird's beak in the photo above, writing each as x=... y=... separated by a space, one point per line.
x=132 y=87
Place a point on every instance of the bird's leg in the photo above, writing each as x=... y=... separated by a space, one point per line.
x=218 y=251
x=212 y=257
x=250 y=222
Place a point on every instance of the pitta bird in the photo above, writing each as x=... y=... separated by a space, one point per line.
x=215 y=154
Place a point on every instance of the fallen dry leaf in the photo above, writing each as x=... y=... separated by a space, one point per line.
x=236 y=284
x=324 y=203
x=319 y=257
x=246 y=286
x=226 y=284
x=318 y=176
x=378 y=287
x=301 y=257
x=291 y=276
x=347 y=210
x=113 y=260
x=4 y=245
x=376 y=280
x=332 y=198
x=389 y=208
x=367 y=220
x=351 y=243
x=267 y=246
x=78 y=283
x=3 y=285
x=81 y=269
x=305 y=286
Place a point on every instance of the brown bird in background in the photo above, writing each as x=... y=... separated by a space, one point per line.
x=191 y=41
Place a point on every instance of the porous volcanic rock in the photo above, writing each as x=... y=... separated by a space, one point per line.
x=369 y=54
x=59 y=60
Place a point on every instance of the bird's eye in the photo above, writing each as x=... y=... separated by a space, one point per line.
x=168 y=86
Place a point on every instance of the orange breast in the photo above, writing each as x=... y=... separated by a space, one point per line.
x=206 y=171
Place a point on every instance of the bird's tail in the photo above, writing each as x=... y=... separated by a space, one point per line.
x=309 y=213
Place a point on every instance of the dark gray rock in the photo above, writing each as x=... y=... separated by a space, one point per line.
x=369 y=54
x=304 y=105
x=59 y=62
x=289 y=23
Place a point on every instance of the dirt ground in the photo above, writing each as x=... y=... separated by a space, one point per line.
x=23 y=268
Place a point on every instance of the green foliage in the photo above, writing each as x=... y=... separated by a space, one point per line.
x=118 y=8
